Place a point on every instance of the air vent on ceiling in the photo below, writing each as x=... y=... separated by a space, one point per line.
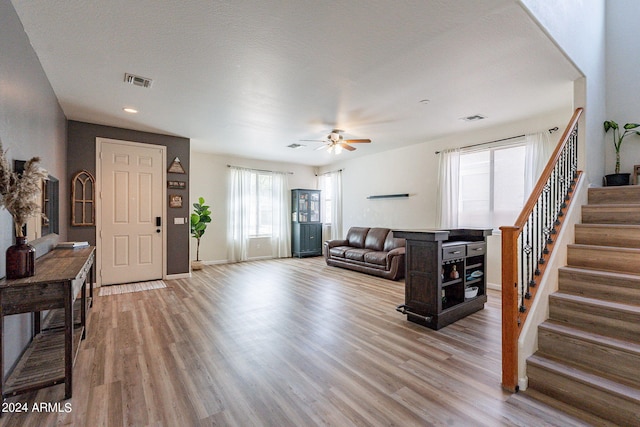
x=137 y=80
x=294 y=145
x=473 y=118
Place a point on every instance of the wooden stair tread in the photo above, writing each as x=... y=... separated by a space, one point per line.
x=561 y=414
x=606 y=385
x=612 y=194
x=608 y=258
x=612 y=205
x=615 y=226
x=578 y=299
x=592 y=337
x=604 y=248
x=602 y=284
x=601 y=273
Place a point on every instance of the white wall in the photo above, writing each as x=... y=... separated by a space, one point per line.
x=209 y=179
x=578 y=28
x=623 y=85
x=414 y=170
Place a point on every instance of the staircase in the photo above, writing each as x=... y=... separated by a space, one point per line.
x=589 y=349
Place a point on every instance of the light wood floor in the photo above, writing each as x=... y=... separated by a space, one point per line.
x=287 y=342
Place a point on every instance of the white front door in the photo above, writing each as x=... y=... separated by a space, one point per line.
x=131 y=211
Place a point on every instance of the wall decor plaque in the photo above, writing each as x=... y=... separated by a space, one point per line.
x=176 y=166
x=175 y=201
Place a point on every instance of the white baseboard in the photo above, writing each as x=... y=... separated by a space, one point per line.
x=494 y=286
x=219 y=261
x=523 y=383
x=177 y=276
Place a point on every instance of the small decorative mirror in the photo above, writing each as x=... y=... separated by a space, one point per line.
x=83 y=199
x=50 y=194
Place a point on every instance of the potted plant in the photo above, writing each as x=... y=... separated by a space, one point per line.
x=618 y=178
x=200 y=217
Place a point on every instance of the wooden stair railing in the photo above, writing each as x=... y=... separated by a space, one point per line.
x=527 y=245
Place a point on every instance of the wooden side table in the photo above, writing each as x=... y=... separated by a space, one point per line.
x=61 y=275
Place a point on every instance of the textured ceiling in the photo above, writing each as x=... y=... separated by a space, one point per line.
x=248 y=78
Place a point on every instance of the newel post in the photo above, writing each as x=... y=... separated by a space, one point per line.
x=510 y=328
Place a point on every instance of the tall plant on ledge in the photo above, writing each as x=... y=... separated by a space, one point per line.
x=200 y=217
x=618 y=137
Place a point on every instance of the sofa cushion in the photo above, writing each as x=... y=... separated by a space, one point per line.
x=376 y=238
x=393 y=242
x=376 y=257
x=356 y=236
x=338 y=251
x=356 y=254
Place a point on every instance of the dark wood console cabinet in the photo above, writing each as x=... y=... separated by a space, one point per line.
x=440 y=265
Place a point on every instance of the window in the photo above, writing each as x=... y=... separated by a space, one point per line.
x=491 y=186
x=326 y=187
x=261 y=205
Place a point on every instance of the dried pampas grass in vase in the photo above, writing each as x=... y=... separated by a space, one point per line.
x=19 y=194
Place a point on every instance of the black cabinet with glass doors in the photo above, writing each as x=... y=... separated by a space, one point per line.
x=306 y=227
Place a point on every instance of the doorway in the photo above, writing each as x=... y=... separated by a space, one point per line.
x=130 y=211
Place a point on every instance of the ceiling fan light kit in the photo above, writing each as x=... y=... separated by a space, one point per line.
x=335 y=142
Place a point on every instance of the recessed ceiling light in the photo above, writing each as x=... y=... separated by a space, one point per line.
x=424 y=101
x=130 y=110
x=473 y=118
x=294 y=145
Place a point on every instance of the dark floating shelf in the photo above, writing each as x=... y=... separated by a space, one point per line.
x=389 y=196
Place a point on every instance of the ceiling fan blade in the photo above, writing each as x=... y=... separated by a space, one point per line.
x=347 y=146
x=322 y=147
x=356 y=141
x=313 y=140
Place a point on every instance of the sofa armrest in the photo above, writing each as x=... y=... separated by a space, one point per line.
x=395 y=263
x=395 y=252
x=333 y=243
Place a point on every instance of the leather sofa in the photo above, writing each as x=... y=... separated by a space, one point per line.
x=368 y=250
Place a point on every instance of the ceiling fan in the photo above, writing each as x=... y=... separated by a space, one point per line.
x=335 y=142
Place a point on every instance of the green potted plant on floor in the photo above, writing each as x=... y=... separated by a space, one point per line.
x=200 y=218
x=618 y=178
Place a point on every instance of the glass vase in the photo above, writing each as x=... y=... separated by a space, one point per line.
x=21 y=259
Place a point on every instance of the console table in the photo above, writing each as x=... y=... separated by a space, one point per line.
x=441 y=267
x=61 y=275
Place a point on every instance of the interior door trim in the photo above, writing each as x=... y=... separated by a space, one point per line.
x=99 y=142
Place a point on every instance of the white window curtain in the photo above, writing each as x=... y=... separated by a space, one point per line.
x=335 y=179
x=281 y=227
x=238 y=221
x=538 y=149
x=238 y=230
x=331 y=183
x=448 y=188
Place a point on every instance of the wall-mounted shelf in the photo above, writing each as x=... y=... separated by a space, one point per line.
x=389 y=196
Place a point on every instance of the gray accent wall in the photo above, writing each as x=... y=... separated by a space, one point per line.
x=31 y=124
x=81 y=155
